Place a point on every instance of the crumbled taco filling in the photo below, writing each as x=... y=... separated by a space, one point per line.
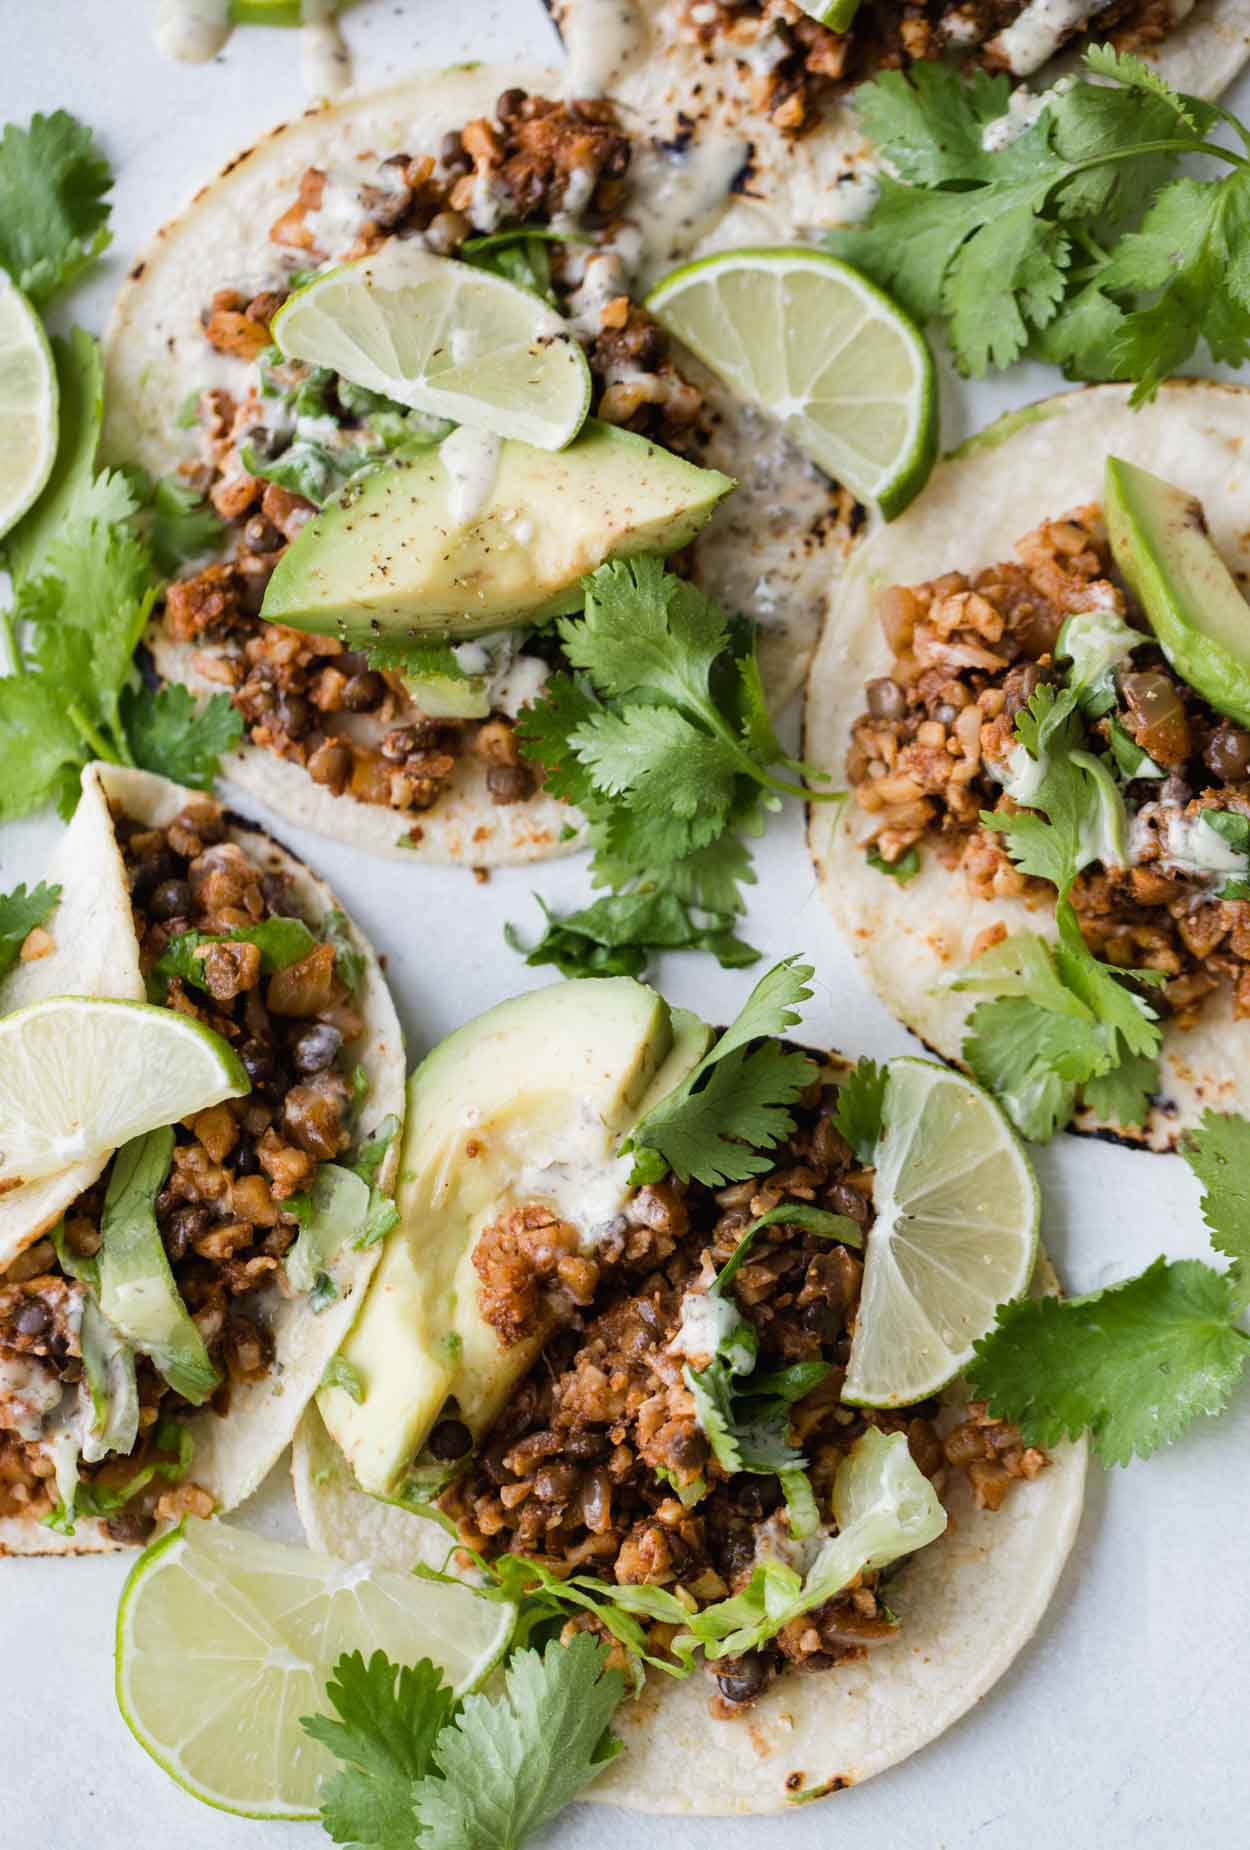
x=271 y=453
x=793 y=63
x=934 y=748
x=228 y=1210
x=600 y=1464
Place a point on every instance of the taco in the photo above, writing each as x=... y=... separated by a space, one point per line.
x=1000 y=617
x=268 y=1208
x=769 y=73
x=628 y=1395
x=196 y=389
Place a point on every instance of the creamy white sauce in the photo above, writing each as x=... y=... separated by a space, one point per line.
x=774 y=1542
x=601 y=38
x=513 y=680
x=1024 y=107
x=488 y=202
x=856 y=193
x=192 y=31
x=587 y=1191
x=1188 y=845
x=325 y=62
x=1023 y=776
x=603 y=281
x=336 y=223
x=29 y=1390
x=1037 y=33
x=471 y=459
x=706 y=1322
x=679 y=197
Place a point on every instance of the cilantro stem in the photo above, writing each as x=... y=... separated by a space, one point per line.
x=725 y=734
x=13 y=663
x=1154 y=147
x=90 y=735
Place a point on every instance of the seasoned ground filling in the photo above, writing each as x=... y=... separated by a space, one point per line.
x=308 y=698
x=794 y=64
x=569 y=1475
x=968 y=654
x=221 y=1212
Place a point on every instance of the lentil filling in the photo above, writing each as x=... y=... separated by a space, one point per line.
x=795 y=64
x=931 y=750
x=599 y=1464
x=307 y=698
x=224 y=1212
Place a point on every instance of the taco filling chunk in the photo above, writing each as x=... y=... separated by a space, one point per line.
x=793 y=63
x=623 y=1346
x=177 y=1313
x=1075 y=717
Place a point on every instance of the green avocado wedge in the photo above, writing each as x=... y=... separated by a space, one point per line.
x=389 y=556
x=526 y=1105
x=1161 y=544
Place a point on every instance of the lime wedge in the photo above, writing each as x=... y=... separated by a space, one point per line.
x=27 y=405
x=445 y=338
x=79 y=1076
x=954 y=1237
x=224 y=1639
x=809 y=340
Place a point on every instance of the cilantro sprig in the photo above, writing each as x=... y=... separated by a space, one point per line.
x=718 y=1125
x=618 y=935
x=1137 y=1363
x=480 y=1774
x=85 y=580
x=661 y=736
x=1075 y=242
x=1062 y=1027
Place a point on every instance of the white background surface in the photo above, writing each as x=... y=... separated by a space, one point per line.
x=1125 y=1723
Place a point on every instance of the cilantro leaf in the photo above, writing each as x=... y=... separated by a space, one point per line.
x=340 y=1373
x=53 y=215
x=182 y=525
x=511 y=1764
x=904 y=869
x=861 y=1100
x=1032 y=1060
x=663 y=740
x=717 y=1125
x=41 y=749
x=20 y=912
x=1218 y=1152
x=282 y=942
x=1073 y=239
x=617 y=936
x=390 y=1720
x=1133 y=1364
x=711 y=1389
x=182 y=738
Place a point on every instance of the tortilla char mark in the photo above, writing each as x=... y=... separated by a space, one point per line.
x=599 y=1464
x=790 y=65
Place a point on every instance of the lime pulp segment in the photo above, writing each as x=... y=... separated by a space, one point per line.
x=818 y=347
x=28 y=405
x=955 y=1235
x=444 y=338
x=225 y=1639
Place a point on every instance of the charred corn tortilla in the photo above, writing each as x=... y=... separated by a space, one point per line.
x=968 y=1602
x=786 y=527
x=234 y=1452
x=647 y=56
x=1033 y=465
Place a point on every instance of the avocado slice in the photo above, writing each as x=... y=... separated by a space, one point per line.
x=1161 y=544
x=386 y=556
x=529 y=1102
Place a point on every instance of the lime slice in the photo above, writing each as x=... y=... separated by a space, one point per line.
x=79 y=1076
x=810 y=341
x=27 y=405
x=445 y=338
x=224 y=1639
x=954 y=1237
